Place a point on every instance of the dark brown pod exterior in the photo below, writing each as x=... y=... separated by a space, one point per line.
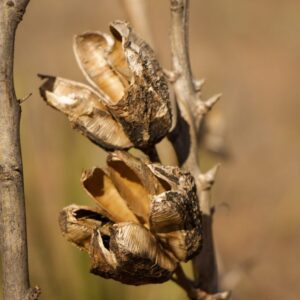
x=175 y=216
x=126 y=72
x=126 y=251
x=131 y=256
x=147 y=99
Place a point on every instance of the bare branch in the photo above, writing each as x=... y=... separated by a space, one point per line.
x=184 y=84
x=12 y=205
x=205 y=267
x=21 y=100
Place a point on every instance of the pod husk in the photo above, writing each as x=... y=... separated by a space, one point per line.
x=128 y=74
x=175 y=215
x=101 y=189
x=77 y=224
x=137 y=257
x=86 y=111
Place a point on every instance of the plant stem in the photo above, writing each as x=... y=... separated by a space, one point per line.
x=205 y=267
x=13 y=241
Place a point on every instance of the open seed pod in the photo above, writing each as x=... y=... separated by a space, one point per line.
x=133 y=254
x=129 y=102
x=125 y=251
x=175 y=216
x=78 y=223
x=163 y=198
x=85 y=110
x=134 y=181
x=100 y=188
x=126 y=72
x=147 y=219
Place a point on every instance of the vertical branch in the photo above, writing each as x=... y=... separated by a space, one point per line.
x=184 y=88
x=12 y=206
x=191 y=109
x=205 y=265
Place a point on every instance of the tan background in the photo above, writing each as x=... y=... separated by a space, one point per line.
x=249 y=50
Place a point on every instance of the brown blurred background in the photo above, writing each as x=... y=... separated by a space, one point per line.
x=249 y=50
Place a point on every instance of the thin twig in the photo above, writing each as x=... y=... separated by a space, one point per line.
x=13 y=241
x=22 y=100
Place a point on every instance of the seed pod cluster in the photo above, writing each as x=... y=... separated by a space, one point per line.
x=128 y=104
x=145 y=222
x=146 y=219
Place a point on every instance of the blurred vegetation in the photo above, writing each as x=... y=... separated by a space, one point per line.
x=249 y=50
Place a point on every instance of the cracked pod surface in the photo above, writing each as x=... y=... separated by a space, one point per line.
x=175 y=214
x=129 y=235
x=129 y=102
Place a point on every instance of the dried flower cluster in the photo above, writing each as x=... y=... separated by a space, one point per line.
x=146 y=220
x=147 y=217
x=128 y=105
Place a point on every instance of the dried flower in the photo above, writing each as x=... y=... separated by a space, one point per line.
x=129 y=102
x=147 y=220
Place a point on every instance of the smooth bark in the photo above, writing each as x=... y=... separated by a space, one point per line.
x=12 y=205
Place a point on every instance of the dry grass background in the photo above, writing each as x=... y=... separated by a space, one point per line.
x=249 y=50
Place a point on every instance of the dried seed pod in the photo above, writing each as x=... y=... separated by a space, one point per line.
x=174 y=214
x=77 y=224
x=131 y=106
x=162 y=196
x=100 y=188
x=126 y=251
x=93 y=53
x=134 y=181
x=130 y=79
x=131 y=256
x=138 y=167
x=147 y=219
x=85 y=110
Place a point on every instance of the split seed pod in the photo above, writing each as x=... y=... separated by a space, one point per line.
x=146 y=220
x=86 y=112
x=129 y=102
x=175 y=215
